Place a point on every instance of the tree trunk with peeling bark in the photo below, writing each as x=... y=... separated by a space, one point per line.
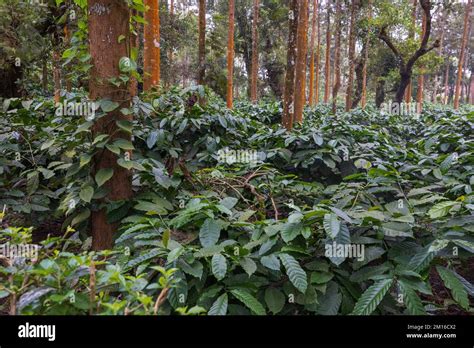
x=300 y=68
x=230 y=55
x=289 y=95
x=108 y=20
x=462 y=54
x=151 y=50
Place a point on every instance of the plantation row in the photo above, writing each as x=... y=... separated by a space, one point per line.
x=359 y=213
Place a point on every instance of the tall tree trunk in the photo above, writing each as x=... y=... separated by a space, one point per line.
x=108 y=20
x=311 y=59
x=44 y=78
x=67 y=38
x=151 y=51
x=366 y=59
x=301 y=54
x=439 y=78
x=327 y=70
x=352 y=39
x=318 y=58
x=462 y=54
x=254 y=74
x=446 y=83
x=289 y=91
x=202 y=42
x=412 y=36
x=56 y=75
x=337 y=56
x=230 y=55
x=421 y=78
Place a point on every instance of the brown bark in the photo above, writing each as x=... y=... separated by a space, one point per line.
x=406 y=68
x=289 y=96
x=446 y=83
x=366 y=59
x=352 y=39
x=311 y=59
x=438 y=78
x=327 y=72
x=151 y=50
x=230 y=55
x=462 y=54
x=254 y=71
x=44 y=79
x=421 y=78
x=412 y=36
x=301 y=54
x=337 y=56
x=108 y=20
x=56 y=75
x=318 y=59
x=202 y=42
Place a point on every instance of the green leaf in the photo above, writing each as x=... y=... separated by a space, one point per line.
x=249 y=301
x=294 y=271
x=124 y=144
x=371 y=298
x=291 y=230
x=103 y=175
x=454 y=284
x=332 y=225
x=86 y=193
x=108 y=105
x=411 y=299
x=81 y=217
x=271 y=262
x=219 y=266
x=209 y=232
x=248 y=265
x=441 y=209
x=219 y=307
x=125 y=125
x=274 y=299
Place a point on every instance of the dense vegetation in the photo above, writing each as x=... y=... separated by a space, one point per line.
x=220 y=236
x=228 y=157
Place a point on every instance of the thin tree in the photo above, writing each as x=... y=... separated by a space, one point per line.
x=318 y=59
x=406 y=66
x=438 y=79
x=254 y=71
x=421 y=77
x=366 y=59
x=105 y=29
x=151 y=49
x=230 y=55
x=311 y=54
x=327 y=70
x=202 y=42
x=462 y=53
x=412 y=36
x=288 y=95
x=352 y=41
x=301 y=55
x=337 y=56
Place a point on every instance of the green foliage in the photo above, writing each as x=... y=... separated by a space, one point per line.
x=241 y=237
